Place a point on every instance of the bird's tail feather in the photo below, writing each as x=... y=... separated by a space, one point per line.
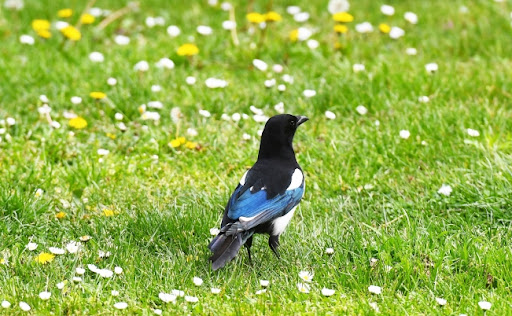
x=224 y=249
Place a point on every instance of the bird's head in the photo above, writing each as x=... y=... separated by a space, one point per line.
x=278 y=133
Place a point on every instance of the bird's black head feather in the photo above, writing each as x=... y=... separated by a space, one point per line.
x=277 y=137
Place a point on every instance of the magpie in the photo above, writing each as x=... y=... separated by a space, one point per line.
x=266 y=197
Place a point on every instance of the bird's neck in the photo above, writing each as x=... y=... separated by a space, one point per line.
x=271 y=149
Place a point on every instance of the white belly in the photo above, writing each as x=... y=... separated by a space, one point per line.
x=280 y=223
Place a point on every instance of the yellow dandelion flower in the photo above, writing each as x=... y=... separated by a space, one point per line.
x=44 y=258
x=97 y=95
x=340 y=28
x=273 y=16
x=2 y=261
x=44 y=34
x=78 y=122
x=71 y=33
x=87 y=18
x=182 y=140
x=60 y=215
x=85 y=238
x=338 y=45
x=64 y=13
x=175 y=143
x=111 y=136
x=190 y=145
x=294 y=35
x=188 y=50
x=343 y=17
x=40 y=24
x=255 y=17
x=384 y=28
x=108 y=213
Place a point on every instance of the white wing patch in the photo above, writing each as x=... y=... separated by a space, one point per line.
x=246 y=219
x=242 y=181
x=280 y=223
x=297 y=179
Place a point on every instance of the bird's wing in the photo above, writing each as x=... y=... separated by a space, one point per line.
x=253 y=208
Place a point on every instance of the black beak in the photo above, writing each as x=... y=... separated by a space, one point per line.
x=301 y=119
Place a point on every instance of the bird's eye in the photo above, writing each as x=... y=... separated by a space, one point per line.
x=292 y=123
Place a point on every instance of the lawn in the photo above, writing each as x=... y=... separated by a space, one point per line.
x=408 y=168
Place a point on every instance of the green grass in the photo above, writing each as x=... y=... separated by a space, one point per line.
x=370 y=193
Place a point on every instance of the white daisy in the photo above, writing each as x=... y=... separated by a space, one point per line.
x=191 y=299
x=61 y=285
x=114 y=293
x=45 y=295
x=122 y=40
x=411 y=17
x=173 y=30
x=365 y=27
x=327 y=292
x=105 y=273
x=57 y=251
x=25 y=307
x=313 y=44
x=431 y=68
x=423 y=99
x=6 y=304
x=358 y=67
x=103 y=152
x=214 y=83
x=28 y=40
x=205 y=113
x=156 y=88
x=260 y=118
x=197 y=281
x=80 y=271
x=260 y=64
x=96 y=57
x=304 y=33
x=118 y=116
x=287 y=78
x=387 y=10
x=193 y=132
x=441 y=301
x=309 y=93
x=270 y=83
x=329 y=251
x=330 y=115
x=277 y=68
x=229 y=25
x=157 y=311
x=155 y=105
x=121 y=305
x=43 y=98
x=396 y=32
x=473 y=132
x=411 y=51
x=259 y=292
x=281 y=87
x=214 y=231
x=279 y=107
x=374 y=289
x=72 y=246
x=361 y=109
x=141 y=66
x=301 y=17
x=190 y=80
x=178 y=293
x=303 y=287
x=445 y=190
x=166 y=297
x=306 y=276
x=215 y=290
x=236 y=117
x=10 y=121
x=264 y=283
x=118 y=270
x=76 y=100
x=293 y=9
x=405 y=134
x=226 y=6
x=204 y=30
x=336 y=6
x=31 y=246
x=484 y=305
x=150 y=115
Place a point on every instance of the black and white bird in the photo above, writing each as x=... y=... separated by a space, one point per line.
x=268 y=193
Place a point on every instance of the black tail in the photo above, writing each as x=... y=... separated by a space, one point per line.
x=224 y=249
